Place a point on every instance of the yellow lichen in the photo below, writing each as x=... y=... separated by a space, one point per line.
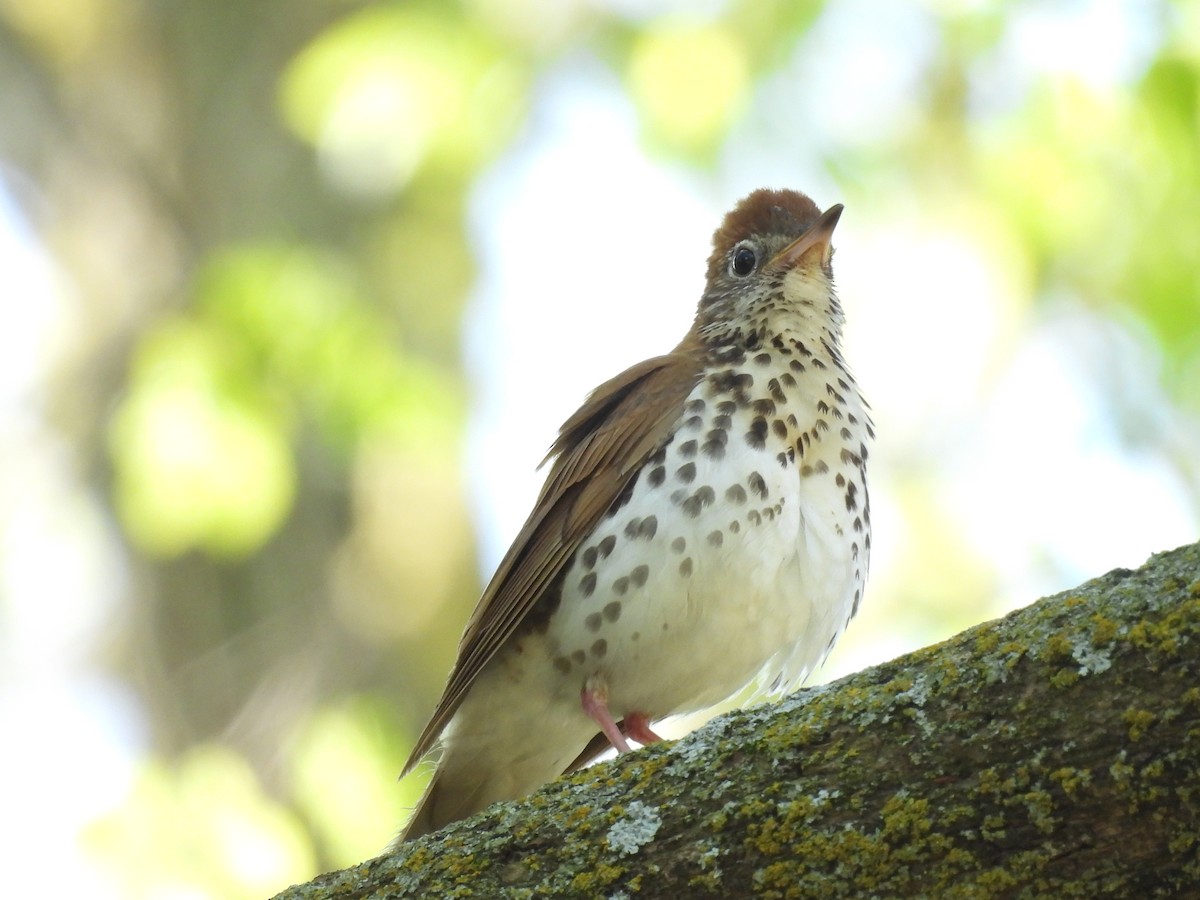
x=1071 y=780
x=996 y=881
x=1154 y=770
x=1104 y=630
x=989 y=782
x=1121 y=773
x=1039 y=805
x=601 y=875
x=1013 y=650
x=986 y=642
x=1183 y=842
x=1139 y=721
x=1058 y=647
x=992 y=828
x=1064 y=678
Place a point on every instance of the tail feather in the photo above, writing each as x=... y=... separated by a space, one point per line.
x=424 y=818
x=500 y=745
x=470 y=776
x=467 y=782
x=455 y=794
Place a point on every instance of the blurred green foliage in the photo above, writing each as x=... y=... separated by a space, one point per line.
x=203 y=824
x=262 y=207
x=200 y=461
x=396 y=87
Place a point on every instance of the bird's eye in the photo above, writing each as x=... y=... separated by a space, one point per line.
x=744 y=259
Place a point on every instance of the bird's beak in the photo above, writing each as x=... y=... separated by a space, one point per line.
x=813 y=243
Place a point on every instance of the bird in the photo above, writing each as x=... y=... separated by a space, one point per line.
x=704 y=527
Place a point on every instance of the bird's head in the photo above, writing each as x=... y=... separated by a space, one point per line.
x=771 y=268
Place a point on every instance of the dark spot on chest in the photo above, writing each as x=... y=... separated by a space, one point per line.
x=642 y=528
x=763 y=407
x=756 y=437
x=714 y=443
x=694 y=504
x=758 y=484
x=729 y=381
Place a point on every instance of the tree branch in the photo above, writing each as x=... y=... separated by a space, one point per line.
x=1054 y=752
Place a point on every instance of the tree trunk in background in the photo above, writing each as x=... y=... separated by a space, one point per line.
x=1051 y=753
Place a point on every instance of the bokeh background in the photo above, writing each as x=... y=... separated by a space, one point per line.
x=294 y=293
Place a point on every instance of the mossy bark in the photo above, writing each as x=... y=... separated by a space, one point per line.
x=1051 y=753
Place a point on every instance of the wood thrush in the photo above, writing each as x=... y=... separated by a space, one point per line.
x=705 y=523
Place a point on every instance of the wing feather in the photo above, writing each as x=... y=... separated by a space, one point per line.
x=598 y=450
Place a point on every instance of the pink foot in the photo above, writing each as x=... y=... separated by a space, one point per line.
x=637 y=726
x=594 y=698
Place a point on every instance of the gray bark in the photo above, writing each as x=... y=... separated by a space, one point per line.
x=1051 y=753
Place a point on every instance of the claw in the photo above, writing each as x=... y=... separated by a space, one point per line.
x=637 y=726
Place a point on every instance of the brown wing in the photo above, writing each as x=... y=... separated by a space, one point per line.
x=598 y=450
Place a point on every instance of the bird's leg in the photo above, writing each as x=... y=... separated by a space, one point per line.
x=637 y=726
x=594 y=698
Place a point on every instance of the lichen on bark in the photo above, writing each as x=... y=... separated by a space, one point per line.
x=1053 y=752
